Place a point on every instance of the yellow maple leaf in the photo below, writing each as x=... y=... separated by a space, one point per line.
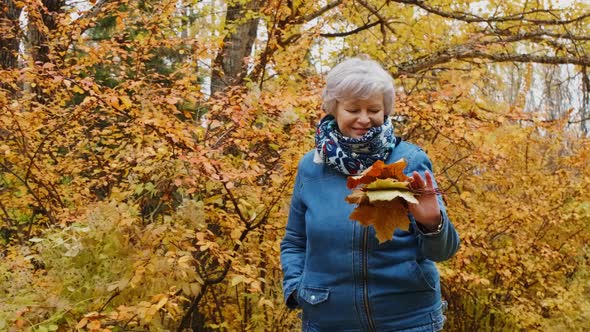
x=389 y=195
x=380 y=184
x=126 y=102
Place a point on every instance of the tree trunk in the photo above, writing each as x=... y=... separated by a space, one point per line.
x=40 y=27
x=229 y=67
x=584 y=109
x=9 y=34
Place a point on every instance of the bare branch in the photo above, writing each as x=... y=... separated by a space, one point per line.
x=472 y=18
x=321 y=11
x=553 y=60
x=539 y=34
x=375 y=12
x=474 y=51
x=95 y=10
x=578 y=121
x=351 y=32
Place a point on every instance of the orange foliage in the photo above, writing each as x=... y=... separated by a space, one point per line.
x=129 y=199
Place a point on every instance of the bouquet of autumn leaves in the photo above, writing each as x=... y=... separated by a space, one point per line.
x=381 y=197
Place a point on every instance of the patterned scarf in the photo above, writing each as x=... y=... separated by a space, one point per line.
x=349 y=155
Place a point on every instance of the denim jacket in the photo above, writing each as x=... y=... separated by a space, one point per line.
x=336 y=271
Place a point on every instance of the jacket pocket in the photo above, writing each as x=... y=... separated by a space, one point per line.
x=313 y=295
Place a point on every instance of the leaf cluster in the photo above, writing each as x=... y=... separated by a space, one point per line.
x=381 y=199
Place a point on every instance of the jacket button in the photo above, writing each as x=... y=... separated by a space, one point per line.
x=312 y=297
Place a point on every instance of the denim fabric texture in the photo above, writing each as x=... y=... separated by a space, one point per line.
x=341 y=277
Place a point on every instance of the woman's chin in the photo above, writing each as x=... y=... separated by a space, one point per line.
x=358 y=133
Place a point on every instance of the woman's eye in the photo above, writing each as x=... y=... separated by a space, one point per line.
x=352 y=111
x=374 y=111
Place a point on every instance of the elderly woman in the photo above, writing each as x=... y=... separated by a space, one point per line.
x=335 y=270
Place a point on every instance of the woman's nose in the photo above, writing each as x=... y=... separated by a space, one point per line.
x=364 y=117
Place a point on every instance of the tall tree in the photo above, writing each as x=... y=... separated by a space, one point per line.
x=241 y=26
x=41 y=23
x=9 y=33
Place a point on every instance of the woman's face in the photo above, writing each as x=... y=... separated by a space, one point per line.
x=356 y=116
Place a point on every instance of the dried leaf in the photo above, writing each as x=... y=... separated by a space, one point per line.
x=379 y=171
x=380 y=184
x=357 y=197
x=237 y=279
x=93 y=325
x=389 y=195
x=126 y=101
x=162 y=302
x=385 y=219
x=82 y=323
x=395 y=171
x=354 y=181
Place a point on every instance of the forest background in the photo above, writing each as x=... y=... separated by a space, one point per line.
x=148 y=148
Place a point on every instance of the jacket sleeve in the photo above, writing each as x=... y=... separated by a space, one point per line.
x=438 y=246
x=293 y=245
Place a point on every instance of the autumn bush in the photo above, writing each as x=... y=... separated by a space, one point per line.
x=139 y=214
x=174 y=221
x=529 y=252
x=517 y=186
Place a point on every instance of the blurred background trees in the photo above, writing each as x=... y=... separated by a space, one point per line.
x=147 y=151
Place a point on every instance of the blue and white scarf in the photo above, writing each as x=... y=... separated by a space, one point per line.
x=348 y=155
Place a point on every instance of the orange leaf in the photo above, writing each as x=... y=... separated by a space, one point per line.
x=20 y=323
x=93 y=325
x=379 y=171
x=384 y=217
x=353 y=181
x=82 y=323
x=357 y=197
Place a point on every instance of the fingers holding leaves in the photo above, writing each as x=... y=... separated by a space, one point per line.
x=416 y=181
x=423 y=186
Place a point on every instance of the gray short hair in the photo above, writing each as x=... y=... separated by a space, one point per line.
x=358 y=77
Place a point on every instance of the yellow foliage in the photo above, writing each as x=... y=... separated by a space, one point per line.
x=128 y=195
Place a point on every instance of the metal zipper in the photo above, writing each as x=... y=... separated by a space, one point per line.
x=365 y=281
